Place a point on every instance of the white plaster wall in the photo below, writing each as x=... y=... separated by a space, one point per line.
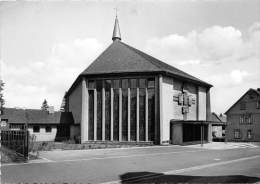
x=202 y=103
x=168 y=107
x=42 y=135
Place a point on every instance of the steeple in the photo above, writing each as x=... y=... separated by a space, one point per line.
x=116 y=32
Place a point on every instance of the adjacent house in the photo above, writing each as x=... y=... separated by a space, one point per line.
x=218 y=126
x=126 y=95
x=45 y=125
x=243 y=118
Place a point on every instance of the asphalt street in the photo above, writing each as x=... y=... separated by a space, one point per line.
x=167 y=164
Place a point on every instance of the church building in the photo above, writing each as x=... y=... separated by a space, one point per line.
x=126 y=95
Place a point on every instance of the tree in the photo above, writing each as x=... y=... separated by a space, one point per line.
x=63 y=104
x=2 y=101
x=45 y=105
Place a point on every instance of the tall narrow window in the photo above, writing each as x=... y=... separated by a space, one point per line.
x=142 y=114
x=124 y=114
x=250 y=118
x=133 y=115
x=151 y=114
x=249 y=134
x=99 y=109
x=107 y=109
x=116 y=85
x=237 y=134
x=241 y=119
x=91 y=115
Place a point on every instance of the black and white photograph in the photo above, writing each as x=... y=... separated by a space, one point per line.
x=129 y=91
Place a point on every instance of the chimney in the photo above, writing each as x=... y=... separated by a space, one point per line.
x=50 y=109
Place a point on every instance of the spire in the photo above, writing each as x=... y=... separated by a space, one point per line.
x=116 y=32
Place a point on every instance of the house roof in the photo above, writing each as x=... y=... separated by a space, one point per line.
x=122 y=58
x=36 y=116
x=257 y=91
x=215 y=118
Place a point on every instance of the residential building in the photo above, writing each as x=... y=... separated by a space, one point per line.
x=243 y=118
x=218 y=126
x=44 y=125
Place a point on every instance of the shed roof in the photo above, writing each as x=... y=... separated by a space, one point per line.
x=36 y=116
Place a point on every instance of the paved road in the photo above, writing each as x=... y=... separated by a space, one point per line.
x=153 y=164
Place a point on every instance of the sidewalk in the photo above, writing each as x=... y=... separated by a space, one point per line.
x=223 y=145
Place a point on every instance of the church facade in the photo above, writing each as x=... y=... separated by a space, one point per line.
x=126 y=95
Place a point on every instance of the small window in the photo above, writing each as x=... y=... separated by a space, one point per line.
x=242 y=105
x=142 y=83
x=151 y=83
x=237 y=134
x=91 y=84
x=248 y=118
x=241 y=120
x=116 y=84
x=124 y=83
x=249 y=134
x=48 y=129
x=107 y=84
x=99 y=84
x=258 y=104
x=133 y=83
x=36 y=129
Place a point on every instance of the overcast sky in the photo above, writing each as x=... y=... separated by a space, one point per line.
x=46 y=44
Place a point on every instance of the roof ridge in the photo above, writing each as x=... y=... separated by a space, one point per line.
x=151 y=58
x=250 y=89
x=137 y=52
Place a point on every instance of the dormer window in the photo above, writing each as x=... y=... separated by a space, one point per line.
x=243 y=105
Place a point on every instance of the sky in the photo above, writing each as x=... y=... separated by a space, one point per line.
x=45 y=45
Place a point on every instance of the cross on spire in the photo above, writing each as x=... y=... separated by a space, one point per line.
x=116 y=9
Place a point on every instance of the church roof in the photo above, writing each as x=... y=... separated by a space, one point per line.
x=122 y=58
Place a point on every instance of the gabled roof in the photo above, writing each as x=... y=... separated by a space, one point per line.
x=215 y=118
x=36 y=116
x=250 y=90
x=122 y=58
